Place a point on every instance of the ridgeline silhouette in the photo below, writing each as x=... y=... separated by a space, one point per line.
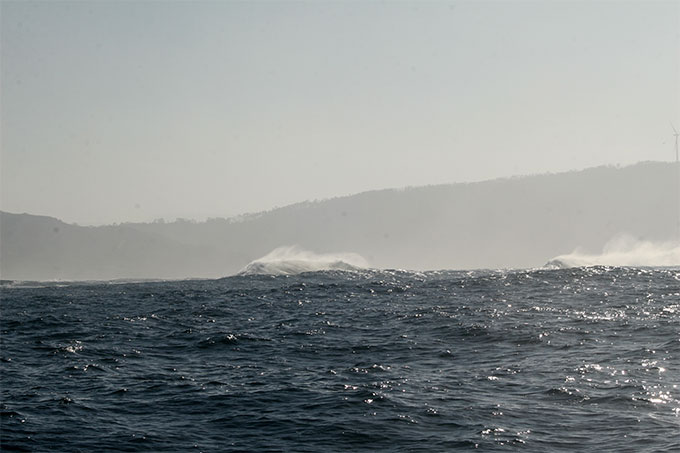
x=505 y=223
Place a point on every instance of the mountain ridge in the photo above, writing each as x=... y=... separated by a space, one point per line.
x=500 y=223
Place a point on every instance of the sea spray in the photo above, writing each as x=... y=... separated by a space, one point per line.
x=623 y=250
x=290 y=260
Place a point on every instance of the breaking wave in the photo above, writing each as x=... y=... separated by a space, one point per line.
x=623 y=250
x=292 y=260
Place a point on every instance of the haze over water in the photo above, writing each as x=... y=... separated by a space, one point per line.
x=536 y=313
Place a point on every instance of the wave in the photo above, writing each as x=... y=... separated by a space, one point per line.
x=291 y=260
x=623 y=250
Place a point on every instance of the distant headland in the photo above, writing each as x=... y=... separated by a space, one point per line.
x=504 y=223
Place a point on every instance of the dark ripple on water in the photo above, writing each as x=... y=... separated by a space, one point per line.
x=560 y=360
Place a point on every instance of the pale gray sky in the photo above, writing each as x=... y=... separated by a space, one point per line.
x=130 y=111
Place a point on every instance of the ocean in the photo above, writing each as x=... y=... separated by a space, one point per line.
x=579 y=359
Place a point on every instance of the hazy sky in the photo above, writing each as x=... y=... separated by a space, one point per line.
x=118 y=111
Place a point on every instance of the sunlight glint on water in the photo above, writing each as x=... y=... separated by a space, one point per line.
x=545 y=360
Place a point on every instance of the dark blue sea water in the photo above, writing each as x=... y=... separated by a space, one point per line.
x=544 y=360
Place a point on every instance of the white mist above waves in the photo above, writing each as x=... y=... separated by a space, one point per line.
x=623 y=250
x=290 y=260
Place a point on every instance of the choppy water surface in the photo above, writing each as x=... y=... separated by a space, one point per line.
x=569 y=360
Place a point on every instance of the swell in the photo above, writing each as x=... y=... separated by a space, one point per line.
x=540 y=360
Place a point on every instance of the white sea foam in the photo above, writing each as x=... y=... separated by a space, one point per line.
x=623 y=250
x=291 y=260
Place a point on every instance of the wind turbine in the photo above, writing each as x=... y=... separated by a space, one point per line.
x=675 y=133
